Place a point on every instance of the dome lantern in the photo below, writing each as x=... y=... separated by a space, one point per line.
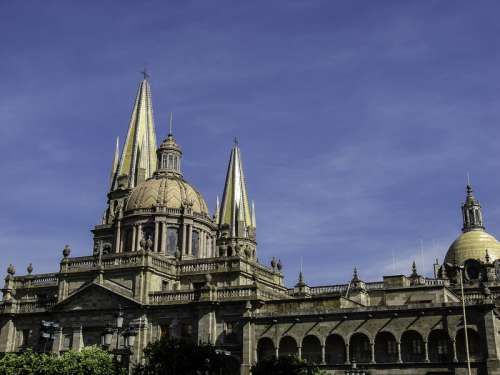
x=471 y=212
x=169 y=154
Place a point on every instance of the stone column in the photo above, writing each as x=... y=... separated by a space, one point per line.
x=134 y=237
x=372 y=346
x=400 y=360
x=118 y=236
x=184 y=238
x=323 y=355
x=277 y=351
x=347 y=355
x=157 y=229
x=299 y=352
x=164 y=229
x=58 y=338
x=77 y=343
x=454 y=345
x=190 y=240
x=426 y=348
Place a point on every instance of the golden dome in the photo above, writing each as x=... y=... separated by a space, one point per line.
x=166 y=190
x=473 y=245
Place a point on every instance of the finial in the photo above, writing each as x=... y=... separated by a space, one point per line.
x=355 y=274
x=235 y=140
x=29 y=269
x=145 y=73
x=273 y=263
x=279 y=265
x=66 y=251
x=11 y=270
x=487 y=257
x=170 y=123
x=468 y=179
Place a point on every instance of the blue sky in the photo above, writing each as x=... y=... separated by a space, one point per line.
x=357 y=120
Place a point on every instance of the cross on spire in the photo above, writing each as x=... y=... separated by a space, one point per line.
x=145 y=73
x=235 y=140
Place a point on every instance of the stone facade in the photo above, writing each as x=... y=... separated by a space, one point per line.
x=173 y=269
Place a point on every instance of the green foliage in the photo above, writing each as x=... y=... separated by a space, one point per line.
x=90 y=361
x=284 y=366
x=182 y=357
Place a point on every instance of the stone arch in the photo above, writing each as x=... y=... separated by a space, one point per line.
x=335 y=350
x=360 y=348
x=440 y=346
x=412 y=347
x=265 y=349
x=386 y=348
x=475 y=348
x=288 y=347
x=311 y=349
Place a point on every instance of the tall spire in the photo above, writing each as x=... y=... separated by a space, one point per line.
x=114 y=168
x=254 y=221
x=235 y=210
x=138 y=159
x=471 y=212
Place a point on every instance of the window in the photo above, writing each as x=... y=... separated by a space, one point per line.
x=164 y=160
x=170 y=161
x=195 y=243
x=172 y=238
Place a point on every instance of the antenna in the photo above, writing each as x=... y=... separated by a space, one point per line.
x=170 y=123
x=468 y=179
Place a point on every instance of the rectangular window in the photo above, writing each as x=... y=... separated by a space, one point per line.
x=172 y=238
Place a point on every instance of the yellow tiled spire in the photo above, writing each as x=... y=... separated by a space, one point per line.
x=138 y=159
x=235 y=210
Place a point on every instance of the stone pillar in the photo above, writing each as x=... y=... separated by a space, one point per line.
x=157 y=229
x=400 y=360
x=190 y=240
x=323 y=355
x=164 y=228
x=58 y=338
x=426 y=349
x=134 y=238
x=7 y=336
x=77 y=343
x=372 y=346
x=118 y=237
x=347 y=355
x=454 y=345
x=184 y=239
x=277 y=351
x=299 y=352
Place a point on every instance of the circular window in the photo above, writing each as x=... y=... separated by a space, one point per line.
x=472 y=269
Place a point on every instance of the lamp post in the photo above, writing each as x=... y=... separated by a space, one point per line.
x=128 y=334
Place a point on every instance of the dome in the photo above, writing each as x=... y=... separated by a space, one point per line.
x=473 y=245
x=166 y=190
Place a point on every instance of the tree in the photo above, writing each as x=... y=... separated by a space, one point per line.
x=183 y=357
x=90 y=361
x=288 y=365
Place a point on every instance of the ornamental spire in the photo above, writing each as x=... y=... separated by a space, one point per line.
x=471 y=211
x=138 y=159
x=115 y=165
x=235 y=210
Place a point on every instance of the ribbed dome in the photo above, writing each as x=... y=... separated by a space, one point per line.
x=168 y=190
x=473 y=245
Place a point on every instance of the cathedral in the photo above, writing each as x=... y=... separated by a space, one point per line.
x=163 y=265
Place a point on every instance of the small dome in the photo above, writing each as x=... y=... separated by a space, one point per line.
x=170 y=191
x=473 y=245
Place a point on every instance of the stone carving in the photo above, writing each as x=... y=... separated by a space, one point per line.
x=30 y=268
x=11 y=270
x=66 y=251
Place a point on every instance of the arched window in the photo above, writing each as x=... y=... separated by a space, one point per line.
x=129 y=236
x=195 y=243
x=440 y=347
x=311 y=349
x=335 y=352
x=265 y=349
x=412 y=347
x=288 y=347
x=475 y=352
x=164 y=161
x=172 y=240
x=360 y=348
x=386 y=349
